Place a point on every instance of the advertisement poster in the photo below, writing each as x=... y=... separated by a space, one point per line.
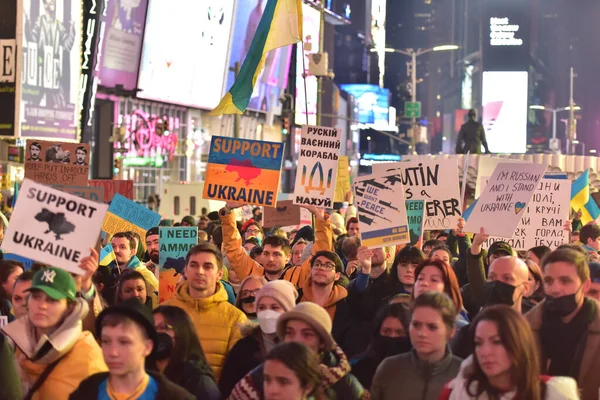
x=544 y=218
x=505 y=198
x=274 y=77
x=342 y=182
x=285 y=214
x=415 y=210
x=184 y=56
x=381 y=210
x=86 y=192
x=125 y=215
x=174 y=244
x=59 y=163
x=246 y=171
x=434 y=181
x=53 y=227
x=122 y=43
x=317 y=166
x=311 y=30
x=51 y=63
x=8 y=67
x=113 y=187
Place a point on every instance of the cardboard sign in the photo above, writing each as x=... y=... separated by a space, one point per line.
x=53 y=227
x=544 y=218
x=317 y=166
x=434 y=181
x=125 y=215
x=504 y=201
x=174 y=244
x=57 y=163
x=91 y=193
x=381 y=210
x=415 y=212
x=342 y=183
x=285 y=214
x=243 y=170
x=113 y=187
x=487 y=165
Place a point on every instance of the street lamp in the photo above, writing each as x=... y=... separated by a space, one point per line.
x=554 y=111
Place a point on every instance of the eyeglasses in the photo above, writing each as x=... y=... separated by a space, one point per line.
x=253 y=231
x=324 y=267
x=246 y=293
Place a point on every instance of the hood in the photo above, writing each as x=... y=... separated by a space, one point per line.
x=48 y=349
x=133 y=263
x=183 y=294
x=337 y=294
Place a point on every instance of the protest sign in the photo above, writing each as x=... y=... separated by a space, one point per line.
x=544 y=218
x=245 y=171
x=285 y=214
x=317 y=166
x=125 y=215
x=487 y=166
x=415 y=210
x=91 y=193
x=113 y=187
x=27 y=262
x=57 y=162
x=381 y=210
x=53 y=227
x=174 y=244
x=505 y=198
x=434 y=181
x=342 y=183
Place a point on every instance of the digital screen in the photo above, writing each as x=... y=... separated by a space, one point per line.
x=185 y=50
x=506 y=41
x=311 y=30
x=373 y=103
x=505 y=110
x=277 y=64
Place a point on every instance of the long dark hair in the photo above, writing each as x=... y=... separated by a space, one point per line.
x=301 y=360
x=187 y=345
x=408 y=255
x=518 y=340
x=7 y=267
x=400 y=311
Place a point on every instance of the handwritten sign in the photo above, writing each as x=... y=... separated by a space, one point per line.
x=487 y=165
x=415 y=212
x=434 y=181
x=504 y=200
x=243 y=170
x=342 y=183
x=381 y=210
x=125 y=215
x=285 y=214
x=543 y=220
x=174 y=244
x=112 y=187
x=317 y=166
x=91 y=193
x=53 y=227
x=57 y=163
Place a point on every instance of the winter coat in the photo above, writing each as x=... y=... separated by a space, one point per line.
x=197 y=378
x=337 y=383
x=78 y=353
x=9 y=378
x=167 y=390
x=557 y=388
x=407 y=377
x=216 y=321
x=137 y=265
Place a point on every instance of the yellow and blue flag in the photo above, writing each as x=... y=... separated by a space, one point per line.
x=107 y=255
x=280 y=25
x=581 y=199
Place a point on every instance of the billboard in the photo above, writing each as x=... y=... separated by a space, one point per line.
x=51 y=60
x=184 y=53
x=373 y=103
x=122 y=43
x=275 y=74
x=504 y=101
x=8 y=67
x=311 y=30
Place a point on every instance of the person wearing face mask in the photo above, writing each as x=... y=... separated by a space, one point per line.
x=272 y=300
x=390 y=338
x=246 y=299
x=567 y=324
x=179 y=356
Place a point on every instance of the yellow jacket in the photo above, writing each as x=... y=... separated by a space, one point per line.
x=216 y=321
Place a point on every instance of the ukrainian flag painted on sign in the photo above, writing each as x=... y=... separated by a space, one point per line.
x=246 y=171
x=380 y=237
x=581 y=199
x=125 y=215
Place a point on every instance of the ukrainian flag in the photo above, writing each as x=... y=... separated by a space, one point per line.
x=581 y=199
x=107 y=255
x=280 y=25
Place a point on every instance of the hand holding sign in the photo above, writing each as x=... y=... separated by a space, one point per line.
x=232 y=205
x=89 y=265
x=365 y=257
x=318 y=212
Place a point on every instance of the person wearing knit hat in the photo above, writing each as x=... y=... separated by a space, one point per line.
x=271 y=300
x=188 y=221
x=152 y=248
x=309 y=324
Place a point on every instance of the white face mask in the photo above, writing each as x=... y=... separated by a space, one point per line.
x=267 y=319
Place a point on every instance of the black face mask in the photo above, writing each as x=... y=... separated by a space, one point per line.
x=561 y=306
x=248 y=300
x=499 y=293
x=164 y=347
x=391 y=346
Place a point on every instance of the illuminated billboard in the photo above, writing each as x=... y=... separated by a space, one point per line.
x=373 y=103
x=311 y=30
x=505 y=110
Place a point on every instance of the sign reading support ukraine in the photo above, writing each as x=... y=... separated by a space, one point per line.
x=125 y=215
x=246 y=171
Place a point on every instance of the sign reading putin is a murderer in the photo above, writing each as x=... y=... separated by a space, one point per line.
x=246 y=171
x=53 y=227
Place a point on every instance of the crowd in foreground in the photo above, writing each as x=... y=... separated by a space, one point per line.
x=309 y=314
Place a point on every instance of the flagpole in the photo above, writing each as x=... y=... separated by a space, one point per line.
x=304 y=80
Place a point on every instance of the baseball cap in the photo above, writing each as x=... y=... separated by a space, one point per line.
x=57 y=283
x=497 y=247
x=152 y=231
